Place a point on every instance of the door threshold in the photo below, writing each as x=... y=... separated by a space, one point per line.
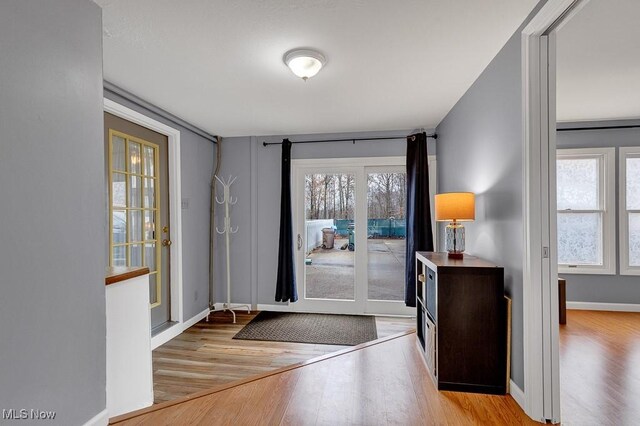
x=162 y=327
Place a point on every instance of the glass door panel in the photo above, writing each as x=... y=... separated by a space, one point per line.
x=386 y=235
x=134 y=197
x=329 y=236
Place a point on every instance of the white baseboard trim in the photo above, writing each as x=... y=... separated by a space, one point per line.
x=195 y=319
x=516 y=393
x=100 y=419
x=596 y=306
x=168 y=334
x=275 y=308
x=177 y=329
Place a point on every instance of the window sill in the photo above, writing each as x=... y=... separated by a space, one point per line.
x=633 y=271
x=587 y=271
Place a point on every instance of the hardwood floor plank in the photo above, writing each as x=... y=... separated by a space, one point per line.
x=304 y=404
x=600 y=368
x=268 y=407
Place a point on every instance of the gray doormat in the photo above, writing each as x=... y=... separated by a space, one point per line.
x=326 y=329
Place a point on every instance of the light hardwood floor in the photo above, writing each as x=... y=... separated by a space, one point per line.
x=206 y=355
x=600 y=368
x=383 y=383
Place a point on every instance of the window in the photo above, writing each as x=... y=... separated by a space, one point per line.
x=630 y=211
x=586 y=220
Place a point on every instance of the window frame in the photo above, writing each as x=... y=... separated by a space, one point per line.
x=606 y=178
x=624 y=153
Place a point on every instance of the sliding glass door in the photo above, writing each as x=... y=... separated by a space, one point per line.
x=350 y=229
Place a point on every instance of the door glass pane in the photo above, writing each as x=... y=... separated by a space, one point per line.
x=119 y=256
x=135 y=223
x=580 y=238
x=149 y=161
x=578 y=184
x=634 y=239
x=136 y=255
x=118 y=190
x=633 y=183
x=117 y=153
x=149 y=225
x=135 y=184
x=134 y=157
x=153 y=289
x=150 y=256
x=330 y=236
x=149 y=193
x=119 y=219
x=386 y=235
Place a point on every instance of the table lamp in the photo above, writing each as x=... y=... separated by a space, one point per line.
x=455 y=207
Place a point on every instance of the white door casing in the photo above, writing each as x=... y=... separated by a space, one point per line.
x=540 y=273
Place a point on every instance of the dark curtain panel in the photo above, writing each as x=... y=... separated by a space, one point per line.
x=419 y=232
x=286 y=282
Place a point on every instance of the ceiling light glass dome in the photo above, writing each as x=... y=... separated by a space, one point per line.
x=304 y=63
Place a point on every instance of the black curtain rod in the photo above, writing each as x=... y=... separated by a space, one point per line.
x=599 y=128
x=433 y=136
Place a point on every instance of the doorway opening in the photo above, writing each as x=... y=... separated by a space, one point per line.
x=598 y=199
x=568 y=214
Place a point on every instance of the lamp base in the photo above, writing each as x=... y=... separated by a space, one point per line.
x=455 y=240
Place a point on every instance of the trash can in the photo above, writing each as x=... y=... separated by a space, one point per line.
x=328 y=235
x=352 y=241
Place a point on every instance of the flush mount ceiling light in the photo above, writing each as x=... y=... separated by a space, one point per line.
x=304 y=63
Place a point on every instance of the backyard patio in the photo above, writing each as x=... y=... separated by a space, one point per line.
x=331 y=272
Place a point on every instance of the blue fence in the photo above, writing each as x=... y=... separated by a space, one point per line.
x=376 y=228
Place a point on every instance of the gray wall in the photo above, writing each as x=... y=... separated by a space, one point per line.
x=197 y=160
x=480 y=149
x=257 y=213
x=602 y=288
x=52 y=229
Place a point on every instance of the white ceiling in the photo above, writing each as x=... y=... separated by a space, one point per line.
x=598 y=62
x=218 y=64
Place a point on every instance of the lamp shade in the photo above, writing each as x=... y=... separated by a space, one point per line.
x=458 y=206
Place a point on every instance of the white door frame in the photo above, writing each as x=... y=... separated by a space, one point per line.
x=175 y=216
x=540 y=273
x=357 y=166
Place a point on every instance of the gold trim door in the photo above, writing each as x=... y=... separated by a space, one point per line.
x=134 y=214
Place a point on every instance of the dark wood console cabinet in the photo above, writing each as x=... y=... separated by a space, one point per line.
x=462 y=322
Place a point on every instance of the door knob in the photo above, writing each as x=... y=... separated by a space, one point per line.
x=166 y=243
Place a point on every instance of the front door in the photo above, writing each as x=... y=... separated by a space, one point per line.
x=139 y=207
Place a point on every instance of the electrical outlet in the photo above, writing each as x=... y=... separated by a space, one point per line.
x=185 y=203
